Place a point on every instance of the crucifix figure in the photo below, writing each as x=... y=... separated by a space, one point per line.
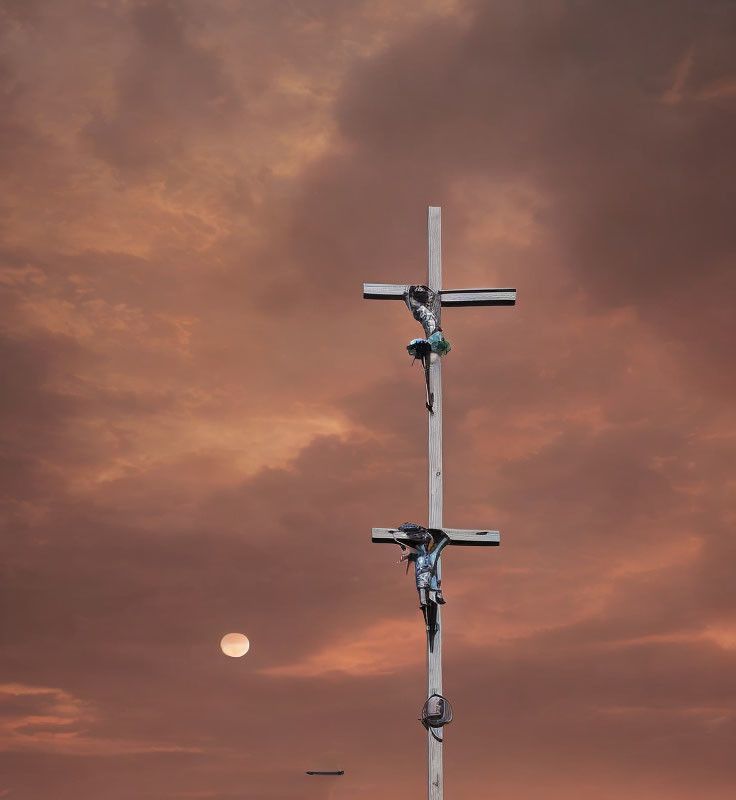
x=426 y=303
x=425 y=548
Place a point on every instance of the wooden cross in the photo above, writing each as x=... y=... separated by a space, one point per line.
x=452 y=297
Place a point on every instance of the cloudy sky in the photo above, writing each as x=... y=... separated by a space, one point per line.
x=202 y=418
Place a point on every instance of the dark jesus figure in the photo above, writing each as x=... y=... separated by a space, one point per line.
x=425 y=546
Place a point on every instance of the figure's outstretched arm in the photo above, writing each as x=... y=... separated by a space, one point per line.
x=443 y=542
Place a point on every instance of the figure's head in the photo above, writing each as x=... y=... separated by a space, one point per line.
x=422 y=294
x=414 y=535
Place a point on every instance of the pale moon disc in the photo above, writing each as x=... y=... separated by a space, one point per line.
x=234 y=645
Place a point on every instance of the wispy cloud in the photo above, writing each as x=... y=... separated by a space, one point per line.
x=56 y=721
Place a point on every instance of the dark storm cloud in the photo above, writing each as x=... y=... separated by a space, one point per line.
x=166 y=86
x=572 y=97
x=34 y=416
x=158 y=596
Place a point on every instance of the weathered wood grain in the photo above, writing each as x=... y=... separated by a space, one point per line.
x=435 y=770
x=384 y=291
x=449 y=297
x=459 y=536
x=458 y=298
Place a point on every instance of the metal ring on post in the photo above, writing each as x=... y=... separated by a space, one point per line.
x=436 y=713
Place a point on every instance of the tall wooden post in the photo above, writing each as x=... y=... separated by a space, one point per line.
x=473 y=538
x=435 y=771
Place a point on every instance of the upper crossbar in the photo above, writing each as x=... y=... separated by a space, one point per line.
x=457 y=536
x=448 y=297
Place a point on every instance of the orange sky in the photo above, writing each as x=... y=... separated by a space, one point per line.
x=203 y=419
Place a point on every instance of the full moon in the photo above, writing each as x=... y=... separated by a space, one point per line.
x=234 y=644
